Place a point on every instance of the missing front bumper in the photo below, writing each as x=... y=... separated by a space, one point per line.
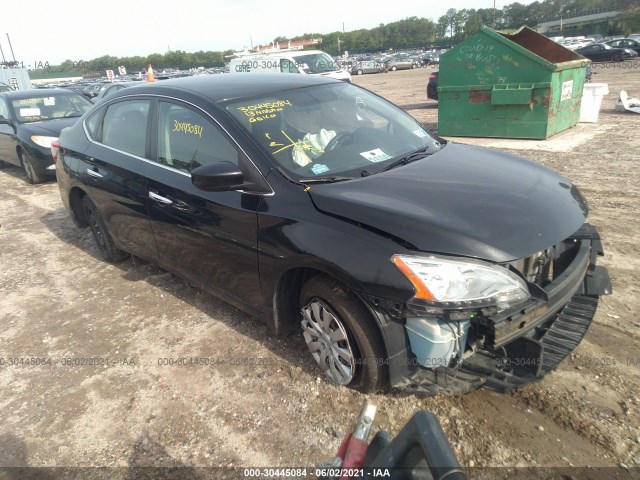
x=523 y=346
x=528 y=360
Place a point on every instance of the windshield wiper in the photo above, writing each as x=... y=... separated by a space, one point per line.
x=325 y=179
x=417 y=155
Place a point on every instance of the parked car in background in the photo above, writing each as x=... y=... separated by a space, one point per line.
x=428 y=59
x=399 y=63
x=5 y=88
x=306 y=62
x=30 y=120
x=432 y=86
x=91 y=91
x=401 y=259
x=110 y=88
x=366 y=66
x=626 y=43
x=601 y=52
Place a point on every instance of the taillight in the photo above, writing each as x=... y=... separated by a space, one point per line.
x=55 y=150
x=432 y=77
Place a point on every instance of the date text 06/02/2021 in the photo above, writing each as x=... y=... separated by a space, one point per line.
x=317 y=472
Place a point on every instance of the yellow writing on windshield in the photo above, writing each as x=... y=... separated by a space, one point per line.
x=265 y=110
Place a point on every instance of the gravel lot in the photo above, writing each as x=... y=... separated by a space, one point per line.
x=267 y=404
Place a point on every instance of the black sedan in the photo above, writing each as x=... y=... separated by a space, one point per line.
x=29 y=121
x=326 y=211
x=601 y=52
x=626 y=43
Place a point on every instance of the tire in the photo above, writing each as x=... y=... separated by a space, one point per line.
x=394 y=68
x=334 y=318
x=108 y=251
x=617 y=58
x=27 y=164
x=3 y=165
x=359 y=72
x=413 y=65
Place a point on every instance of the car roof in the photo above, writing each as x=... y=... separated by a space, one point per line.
x=18 y=94
x=229 y=85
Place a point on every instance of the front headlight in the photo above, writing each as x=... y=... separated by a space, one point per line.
x=454 y=283
x=43 y=141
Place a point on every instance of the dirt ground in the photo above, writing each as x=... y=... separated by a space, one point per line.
x=267 y=405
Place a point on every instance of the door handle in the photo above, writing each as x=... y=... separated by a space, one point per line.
x=94 y=173
x=160 y=198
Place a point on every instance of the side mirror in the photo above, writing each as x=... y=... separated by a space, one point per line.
x=217 y=177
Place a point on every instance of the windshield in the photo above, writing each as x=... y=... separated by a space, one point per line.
x=331 y=130
x=47 y=106
x=317 y=63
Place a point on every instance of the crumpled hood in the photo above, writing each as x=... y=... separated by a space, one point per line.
x=463 y=200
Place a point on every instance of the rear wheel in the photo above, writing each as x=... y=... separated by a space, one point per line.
x=359 y=72
x=394 y=68
x=341 y=336
x=618 y=57
x=108 y=250
x=27 y=164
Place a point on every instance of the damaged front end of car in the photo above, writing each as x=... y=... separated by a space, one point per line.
x=473 y=324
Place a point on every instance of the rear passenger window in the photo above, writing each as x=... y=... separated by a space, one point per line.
x=92 y=123
x=187 y=139
x=125 y=126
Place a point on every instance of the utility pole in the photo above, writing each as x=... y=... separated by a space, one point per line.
x=494 y=14
x=14 y=57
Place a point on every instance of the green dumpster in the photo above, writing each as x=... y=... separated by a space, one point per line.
x=519 y=85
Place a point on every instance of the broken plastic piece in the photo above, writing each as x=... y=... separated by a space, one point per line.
x=627 y=103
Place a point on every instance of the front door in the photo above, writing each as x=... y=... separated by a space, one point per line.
x=209 y=238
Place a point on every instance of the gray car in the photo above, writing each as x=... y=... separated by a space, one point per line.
x=366 y=66
x=399 y=63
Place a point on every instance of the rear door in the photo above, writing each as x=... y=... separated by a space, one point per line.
x=209 y=238
x=113 y=169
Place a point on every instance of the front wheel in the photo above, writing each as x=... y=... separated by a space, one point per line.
x=27 y=164
x=394 y=68
x=104 y=242
x=359 y=72
x=341 y=336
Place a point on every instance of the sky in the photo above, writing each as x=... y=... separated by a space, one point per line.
x=82 y=30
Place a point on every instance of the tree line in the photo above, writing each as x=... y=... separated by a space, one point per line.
x=453 y=26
